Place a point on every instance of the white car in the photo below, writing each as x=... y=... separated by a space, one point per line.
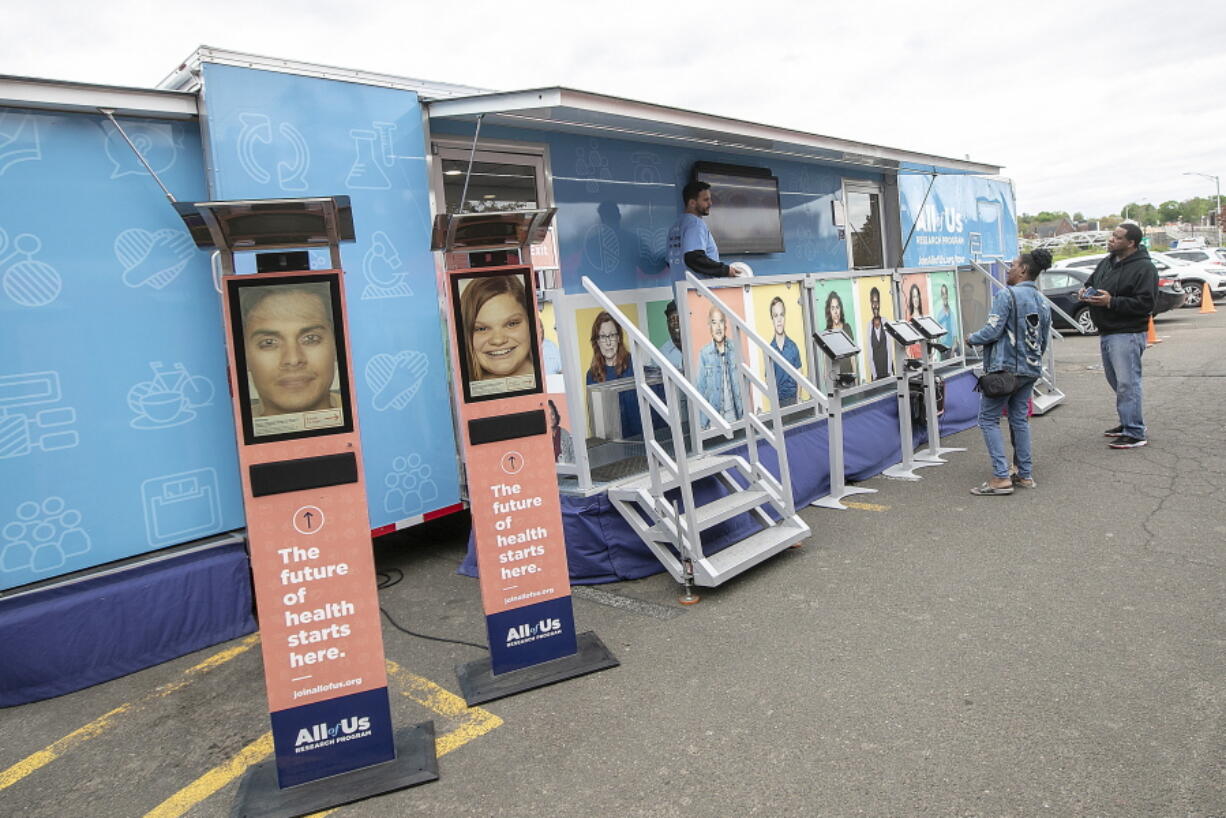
x=1192 y=275
x=1212 y=254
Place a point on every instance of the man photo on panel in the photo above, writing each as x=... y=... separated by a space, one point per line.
x=785 y=346
x=291 y=349
x=878 y=344
x=1121 y=293
x=717 y=377
x=672 y=347
x=945 y=317
x=690 y=244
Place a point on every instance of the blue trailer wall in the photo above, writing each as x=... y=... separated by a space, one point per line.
x=116 y=436
x=957 y=209
x=275 y=135
x=617 y=200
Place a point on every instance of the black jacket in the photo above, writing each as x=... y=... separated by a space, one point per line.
x=1133 y=284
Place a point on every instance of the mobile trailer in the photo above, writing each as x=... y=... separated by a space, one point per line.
x=116 y=444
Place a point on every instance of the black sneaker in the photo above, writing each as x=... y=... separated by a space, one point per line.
x=1114 y=431
x=1126 y=442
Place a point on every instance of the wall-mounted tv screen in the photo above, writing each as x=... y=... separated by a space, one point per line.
x=745 y=216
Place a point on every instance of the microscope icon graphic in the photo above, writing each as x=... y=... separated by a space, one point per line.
x=382 y=267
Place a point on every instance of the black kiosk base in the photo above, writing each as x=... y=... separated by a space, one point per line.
x=415 y=763
x=478 y=683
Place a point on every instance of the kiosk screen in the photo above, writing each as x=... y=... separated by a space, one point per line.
x=903 y=333
x=290 y=332
x=836 y=344
x=497 y=342
x=929 y=326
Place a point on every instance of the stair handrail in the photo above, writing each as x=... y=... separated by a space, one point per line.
x=1050 y=303
x=752 y=423
x=688 y=543
x=1048 y=370
x=667 y=370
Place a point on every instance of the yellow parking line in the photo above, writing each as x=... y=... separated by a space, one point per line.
x=866 y=506
x=107 y=720
x=214 y=779
x=477 y=722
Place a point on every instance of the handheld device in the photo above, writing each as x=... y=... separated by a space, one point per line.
x=1090 y=292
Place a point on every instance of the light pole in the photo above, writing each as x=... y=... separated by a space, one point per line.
x=1143 y=200
x=1217 y=218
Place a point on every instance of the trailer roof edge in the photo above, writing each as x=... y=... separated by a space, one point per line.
x=60 y=95
x=186 y=76
x=560 y=108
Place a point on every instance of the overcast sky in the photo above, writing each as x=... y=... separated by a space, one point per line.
x=1086 y=106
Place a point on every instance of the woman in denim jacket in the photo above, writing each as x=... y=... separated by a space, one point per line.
x=1016 y=336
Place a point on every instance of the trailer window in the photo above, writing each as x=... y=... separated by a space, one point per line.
x=864 y=226
x=492 y=187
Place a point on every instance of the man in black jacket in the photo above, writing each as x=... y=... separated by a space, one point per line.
x=1121 y=293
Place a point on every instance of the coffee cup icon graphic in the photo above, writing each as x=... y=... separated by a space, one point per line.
x=169 y=399
x=163 y=407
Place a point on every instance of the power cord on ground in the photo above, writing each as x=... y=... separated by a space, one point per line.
x=393 y=577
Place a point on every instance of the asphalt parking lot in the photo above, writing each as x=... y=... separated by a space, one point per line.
x=1058 y=652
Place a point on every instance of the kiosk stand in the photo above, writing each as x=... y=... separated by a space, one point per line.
x=836 y=346
x=904 y=335
x=509 y=467
x=307 y=527
x=931 y=330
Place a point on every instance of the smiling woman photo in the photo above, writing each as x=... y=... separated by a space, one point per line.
x=496 y=328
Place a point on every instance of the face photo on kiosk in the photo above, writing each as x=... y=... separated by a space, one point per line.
x=290 y=348
x=497 y=325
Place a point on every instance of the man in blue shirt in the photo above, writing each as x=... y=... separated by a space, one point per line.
x=945 y=317
x=690 y=244
x=784 y=382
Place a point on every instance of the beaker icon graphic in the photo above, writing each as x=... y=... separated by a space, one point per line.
x=366 y=173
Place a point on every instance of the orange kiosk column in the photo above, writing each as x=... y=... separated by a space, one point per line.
x=307 y=527
x=509 y=464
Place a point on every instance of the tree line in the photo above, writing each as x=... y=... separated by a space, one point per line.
x=1190 y=211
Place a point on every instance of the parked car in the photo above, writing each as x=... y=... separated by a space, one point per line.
x=1192 y=275
x=1210 y=255
x=1061 y=285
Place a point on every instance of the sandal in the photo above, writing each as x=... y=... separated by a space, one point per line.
x=1024 y=482
x=986 y=489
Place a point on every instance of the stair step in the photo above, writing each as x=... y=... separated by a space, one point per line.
x=703 y=466
x=1046 y=400
x=714 y=512
x=750 y=551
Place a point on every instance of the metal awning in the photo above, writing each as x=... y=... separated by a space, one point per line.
x=58 y=95
x=568 y=110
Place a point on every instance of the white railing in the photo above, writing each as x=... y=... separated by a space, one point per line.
x=1048 y=376
x=755 y=426
x=659 y=459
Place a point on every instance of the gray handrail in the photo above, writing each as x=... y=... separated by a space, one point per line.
x=755 y=426
x=665 y=366
x=1050 y=303
x=762 y=343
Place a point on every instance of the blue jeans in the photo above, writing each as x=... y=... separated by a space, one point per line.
x=990 y=410
x=1122 y=365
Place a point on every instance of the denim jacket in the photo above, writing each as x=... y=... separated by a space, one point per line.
x=1018 y=340
x=712 y=371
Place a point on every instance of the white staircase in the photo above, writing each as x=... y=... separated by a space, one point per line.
x=660 y=504
x=655 y=518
